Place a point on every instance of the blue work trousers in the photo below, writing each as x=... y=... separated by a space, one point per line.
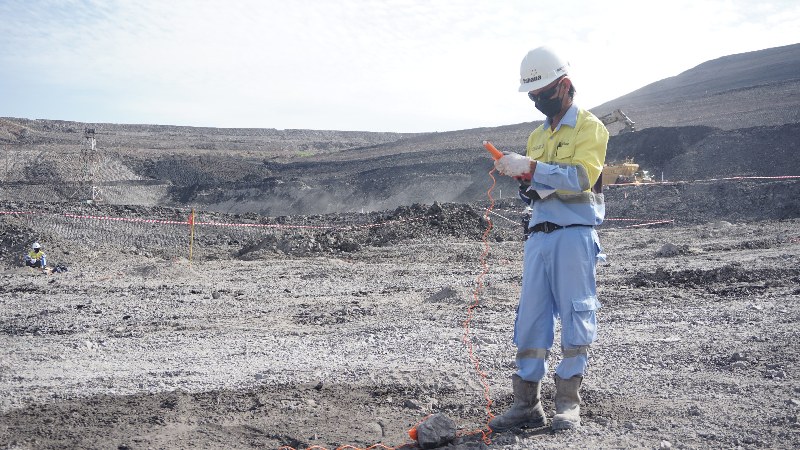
x=41 y=262
x=558 y=281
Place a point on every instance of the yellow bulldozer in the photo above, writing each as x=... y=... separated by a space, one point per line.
x=625 y=172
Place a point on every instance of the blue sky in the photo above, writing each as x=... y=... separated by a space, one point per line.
x=384 y=65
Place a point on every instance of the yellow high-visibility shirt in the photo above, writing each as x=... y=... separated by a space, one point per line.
x=580 y=140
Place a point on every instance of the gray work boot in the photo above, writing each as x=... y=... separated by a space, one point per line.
x=526 y=412
x=568 y=403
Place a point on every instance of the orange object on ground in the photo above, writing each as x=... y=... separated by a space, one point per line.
x=496 y=154
x=412 y=433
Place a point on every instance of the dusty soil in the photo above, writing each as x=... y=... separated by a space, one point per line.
x=301 y=337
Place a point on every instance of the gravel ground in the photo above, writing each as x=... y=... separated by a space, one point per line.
x=322 y=338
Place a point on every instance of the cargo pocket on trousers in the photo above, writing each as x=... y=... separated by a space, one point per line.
x=584 y=320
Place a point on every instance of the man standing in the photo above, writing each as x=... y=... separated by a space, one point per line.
x=564 y=161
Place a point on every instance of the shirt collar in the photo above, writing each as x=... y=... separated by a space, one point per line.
x=570 y=118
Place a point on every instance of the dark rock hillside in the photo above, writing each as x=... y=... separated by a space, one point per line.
x=735 y=91
x=724 y=118
x=702 y=152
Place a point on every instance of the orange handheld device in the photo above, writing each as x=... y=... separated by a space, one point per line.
x=496 y=154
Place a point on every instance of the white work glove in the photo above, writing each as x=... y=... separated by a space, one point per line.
x=513 y=165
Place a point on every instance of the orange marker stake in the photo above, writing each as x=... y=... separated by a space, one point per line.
x=412 y=433
x=496 y=154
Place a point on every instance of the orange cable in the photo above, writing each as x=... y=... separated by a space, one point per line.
x=479 y=286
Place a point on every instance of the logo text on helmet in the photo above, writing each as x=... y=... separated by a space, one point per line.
x=531 y=80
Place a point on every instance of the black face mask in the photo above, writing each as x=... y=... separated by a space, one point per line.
x=548 y=106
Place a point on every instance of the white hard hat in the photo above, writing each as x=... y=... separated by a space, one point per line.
x=36 y=246
x=540 y=67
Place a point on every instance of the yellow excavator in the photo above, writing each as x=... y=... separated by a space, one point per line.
x=617 y=115
x=626 y=171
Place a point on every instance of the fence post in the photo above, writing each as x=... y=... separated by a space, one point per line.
x=191 y=235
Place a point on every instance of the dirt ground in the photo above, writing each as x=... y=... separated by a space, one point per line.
x=308 y=338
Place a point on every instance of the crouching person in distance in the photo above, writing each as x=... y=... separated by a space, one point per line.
x=564 y=160
x=36 y=257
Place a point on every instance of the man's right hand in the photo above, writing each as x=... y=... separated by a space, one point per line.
x=514 y=165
